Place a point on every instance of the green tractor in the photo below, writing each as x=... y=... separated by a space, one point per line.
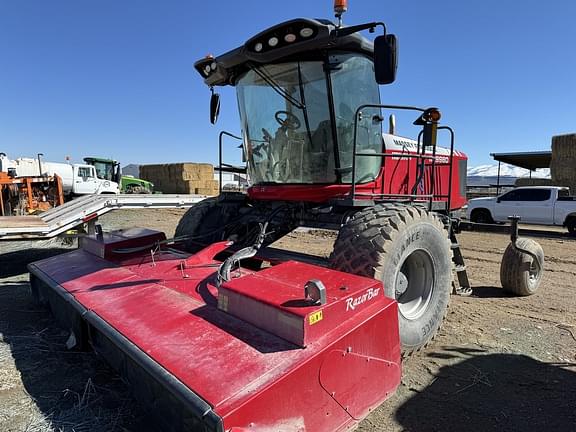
x=109 y=169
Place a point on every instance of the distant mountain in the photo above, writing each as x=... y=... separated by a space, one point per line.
x=486 y=175
x=506 y=171
x=132 y=169
x=490 y=181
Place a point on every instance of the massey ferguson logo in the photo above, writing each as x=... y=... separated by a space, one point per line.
x=353 y=302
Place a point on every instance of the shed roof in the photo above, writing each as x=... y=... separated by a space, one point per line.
x=527 y=160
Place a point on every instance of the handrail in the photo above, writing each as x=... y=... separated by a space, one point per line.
x=355 y=145
x=450 y=177
x=220 y=164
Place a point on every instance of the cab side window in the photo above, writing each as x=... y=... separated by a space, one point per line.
x=527 y=195
x=510 y=196
x=84 y=172
x=540 y=195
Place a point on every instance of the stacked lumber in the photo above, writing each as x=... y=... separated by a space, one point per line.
x=563 y=163
x=181 y=178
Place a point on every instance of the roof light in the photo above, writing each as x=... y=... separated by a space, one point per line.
x=290 y=37
x=273 y=41
x=258 y=47
x=340 y=6
x=435 y=115
x=306 y=32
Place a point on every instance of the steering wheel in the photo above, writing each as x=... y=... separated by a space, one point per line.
x=290 y=122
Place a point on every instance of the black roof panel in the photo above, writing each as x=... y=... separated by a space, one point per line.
x=527 y=160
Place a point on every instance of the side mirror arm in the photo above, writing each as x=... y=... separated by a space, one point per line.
x=346 y=31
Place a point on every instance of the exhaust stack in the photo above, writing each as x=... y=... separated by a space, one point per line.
x=392 y=124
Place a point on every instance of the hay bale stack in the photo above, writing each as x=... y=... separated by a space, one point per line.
x=563 y=164
x=181 y=178
x=527 y=181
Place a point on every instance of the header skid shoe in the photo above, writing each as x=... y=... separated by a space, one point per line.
x=254 y=355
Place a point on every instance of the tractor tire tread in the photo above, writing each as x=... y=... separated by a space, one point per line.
x=363 y=245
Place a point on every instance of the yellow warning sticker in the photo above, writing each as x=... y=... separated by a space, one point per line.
x=315 y=317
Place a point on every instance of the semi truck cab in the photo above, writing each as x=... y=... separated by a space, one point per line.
x=86 y=181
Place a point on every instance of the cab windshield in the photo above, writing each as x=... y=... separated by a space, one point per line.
x=291 y=134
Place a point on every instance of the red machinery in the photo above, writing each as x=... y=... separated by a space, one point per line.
x=255 y=354
x=237 y=336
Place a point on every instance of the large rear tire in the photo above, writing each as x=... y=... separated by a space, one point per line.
x=519 y=274
x=408 y=249
x=212 y=220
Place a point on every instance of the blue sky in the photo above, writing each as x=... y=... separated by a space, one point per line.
x=115 y=79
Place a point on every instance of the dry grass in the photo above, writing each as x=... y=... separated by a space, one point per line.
x=69 y=410
x=46 y=388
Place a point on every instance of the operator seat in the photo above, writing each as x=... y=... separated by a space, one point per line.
x=321 y=166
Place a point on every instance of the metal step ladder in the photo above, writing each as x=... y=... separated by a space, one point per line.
x=462 y=288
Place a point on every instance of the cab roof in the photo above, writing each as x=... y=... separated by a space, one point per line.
x=312 y=38
x=97 y=159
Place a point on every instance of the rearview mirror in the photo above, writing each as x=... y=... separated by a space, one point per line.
x=385 y=58
x=214 y=107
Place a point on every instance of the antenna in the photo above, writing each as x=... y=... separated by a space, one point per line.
x=340 y=6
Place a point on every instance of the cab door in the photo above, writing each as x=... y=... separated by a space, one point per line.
x=533 y=205
x=85 y=181
x=541 y=206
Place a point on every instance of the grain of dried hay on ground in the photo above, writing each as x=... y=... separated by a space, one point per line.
x=80 y=410
x=9 y=378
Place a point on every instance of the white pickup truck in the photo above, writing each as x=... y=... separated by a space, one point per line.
x=541 y=205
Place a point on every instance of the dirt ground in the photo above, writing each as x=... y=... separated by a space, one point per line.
x=499 y=362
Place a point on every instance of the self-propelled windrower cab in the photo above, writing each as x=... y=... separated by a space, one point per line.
x=311 y=118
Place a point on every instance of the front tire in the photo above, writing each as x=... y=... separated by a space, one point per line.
x=482 y=216
x=408 y=249
x=571 y=226
x=519 y=274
